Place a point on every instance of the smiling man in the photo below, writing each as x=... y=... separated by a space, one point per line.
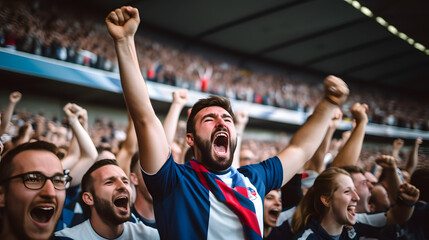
x=206 y=198
x=30 y=204
x=106 y=190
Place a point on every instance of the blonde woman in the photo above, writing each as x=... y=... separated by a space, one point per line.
x=327 y=211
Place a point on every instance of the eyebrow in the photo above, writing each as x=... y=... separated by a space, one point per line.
x=114 y=178
x=212 y=115
x=38 y=172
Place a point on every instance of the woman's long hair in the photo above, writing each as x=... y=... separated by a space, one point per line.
x=311 y=205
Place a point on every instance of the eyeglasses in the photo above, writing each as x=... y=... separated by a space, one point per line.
x=36 y=180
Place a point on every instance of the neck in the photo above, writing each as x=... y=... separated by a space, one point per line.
x=331 y=226
x=144 y=207
x=267 y=230
x=105 y=229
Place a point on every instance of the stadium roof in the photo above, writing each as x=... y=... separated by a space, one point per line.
x=319 y=36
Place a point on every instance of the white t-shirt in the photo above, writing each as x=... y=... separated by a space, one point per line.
x=131 y=231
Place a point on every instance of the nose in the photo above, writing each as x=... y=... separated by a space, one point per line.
x=48 y=190
x=220 y=121
x=121 y=185
x=278 y=203
x=355 y=196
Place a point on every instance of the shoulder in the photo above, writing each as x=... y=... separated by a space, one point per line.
x=306 y=234
x=267 y=166
x=139 y=229
x=76 y=231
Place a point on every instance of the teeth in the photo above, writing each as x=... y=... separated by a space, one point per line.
x=47 y=208
x=221 y=135
x=352 y=207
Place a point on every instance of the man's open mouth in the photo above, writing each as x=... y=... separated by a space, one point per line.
x=42 y=214
x=220 y=143
x=122 y=202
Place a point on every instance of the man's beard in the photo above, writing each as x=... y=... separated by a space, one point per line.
x=105 y=210
x=205 y=147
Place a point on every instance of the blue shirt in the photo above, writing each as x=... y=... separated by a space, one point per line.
x=185 y=209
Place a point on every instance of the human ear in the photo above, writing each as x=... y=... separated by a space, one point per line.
x=190 y=139
x=88 y=198
x=325 y=201
x=134 y=180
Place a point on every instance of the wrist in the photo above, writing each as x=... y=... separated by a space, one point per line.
x=331 y=100
x=400 y=201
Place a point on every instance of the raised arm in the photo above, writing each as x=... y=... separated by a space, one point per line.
x=413 y=158
x=72 y=155
x=309 y=137
x=349 y=153
x=391 y=180
x=153 y=146
x=88 y=152
x=316 y=162
x=14 y=97
x=180 y=97
x=396 y=148
x=128 y=148
x=404 y=206
x=241 y=119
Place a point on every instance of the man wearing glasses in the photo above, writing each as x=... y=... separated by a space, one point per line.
x=30 y=204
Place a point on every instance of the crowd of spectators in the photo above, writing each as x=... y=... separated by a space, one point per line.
x=109 y=182
x=52 y=30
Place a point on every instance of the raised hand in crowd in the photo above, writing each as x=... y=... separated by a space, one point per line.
x=349 y=153
x=396 y=148
x=402 y=196
x=87 y=151
x=128 y=148
x=240 y=120
x=413 y=158
x=317 y=162
x=180 y=98
x=389 y=176
x=6 y=116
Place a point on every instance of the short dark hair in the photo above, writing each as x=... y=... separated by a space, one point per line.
x=6 y=165
x=211 y=101
x=87 y=180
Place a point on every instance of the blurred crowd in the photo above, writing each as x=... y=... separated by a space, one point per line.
x=204 y=178
x=59 y=31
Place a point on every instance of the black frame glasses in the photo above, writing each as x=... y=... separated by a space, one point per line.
x=37 y=180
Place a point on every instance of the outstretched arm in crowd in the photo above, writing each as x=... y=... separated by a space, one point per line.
x=414 y=156
x=25 y=133
x=72 y=155
x=309 y=137
x=317 y=161
x=180 y=97
x=349 y=153
x=240 y=121
x=390 y=178
x=396 y=148
x=128 y=148
x=402 y=196
x=14 y=98
x=88 y=152
x=122 y=25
